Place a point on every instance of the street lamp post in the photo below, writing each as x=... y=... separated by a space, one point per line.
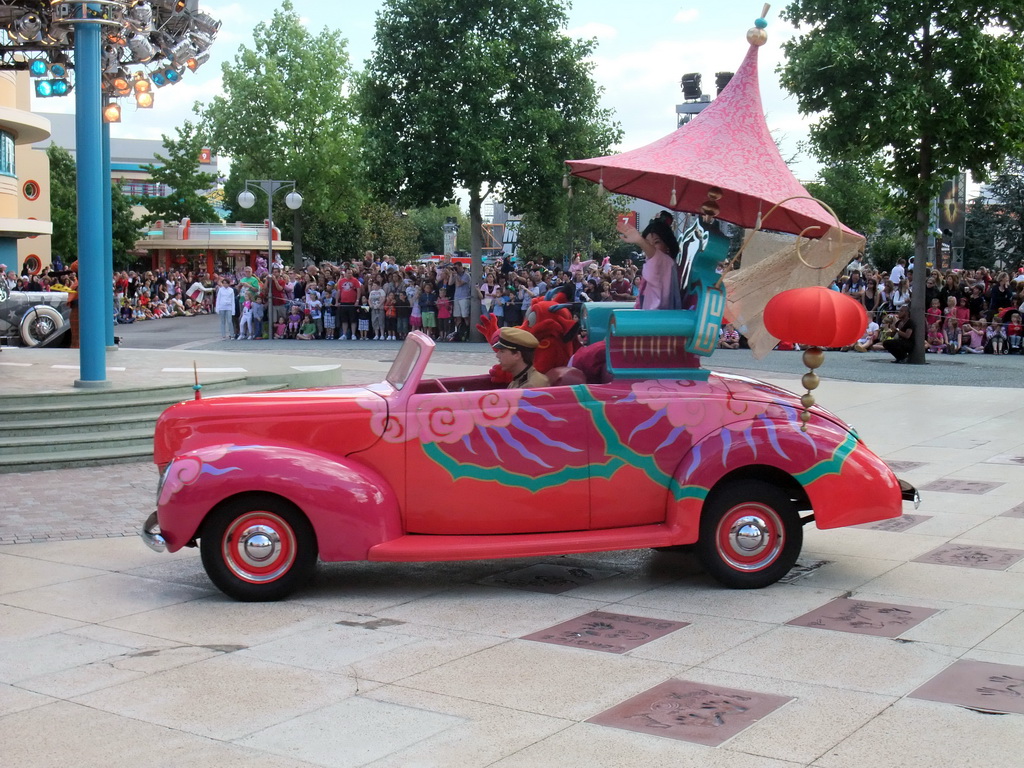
x=293 y=200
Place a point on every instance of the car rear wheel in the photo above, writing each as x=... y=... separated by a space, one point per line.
x=258 y=548
x=39 y=323
x=750 y=534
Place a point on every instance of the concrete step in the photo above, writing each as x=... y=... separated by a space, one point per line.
x=64 y=443
x=30 y=408
x=105 y=416
x=35 y=462
x=80 y=431
x=81 y=397
x=93 y=421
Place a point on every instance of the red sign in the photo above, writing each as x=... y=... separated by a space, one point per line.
x=205 y=156
x=629 y=218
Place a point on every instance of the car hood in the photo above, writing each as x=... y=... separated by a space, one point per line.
x=334 y=420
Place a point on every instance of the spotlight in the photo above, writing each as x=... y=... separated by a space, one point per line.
x=197 y=62
x=111 y=58
x=141 y=84
x=173 y=75
x=201 y=41
x=58 y=70
x=721 y=80
x=691 y=86
x=38 y=68
x=142 y=50
x=144 y=100
x=181 y=51
x=141 y=16
x=205 y=23
x=47 y=88
x=112 y=113
x=159 y=79
x=120 y=85
x=27 y=27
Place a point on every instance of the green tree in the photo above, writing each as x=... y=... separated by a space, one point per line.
x=63 y=203
x=125 y=230
x=64 y=212
x=888 y=244
x=935 y=88
x=995 y=222
x=179 y=170
x=853 y=191
x=388 y=232
x=429 y=221
x=583 y=223
x=286 y=115
x=461 y=94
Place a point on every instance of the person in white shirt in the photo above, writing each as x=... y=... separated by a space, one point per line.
x=899 y=272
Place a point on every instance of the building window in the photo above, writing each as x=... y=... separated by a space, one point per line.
x=7 y=154
x=31 y=190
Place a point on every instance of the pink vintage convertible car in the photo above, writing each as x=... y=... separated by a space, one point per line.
x=421 y=469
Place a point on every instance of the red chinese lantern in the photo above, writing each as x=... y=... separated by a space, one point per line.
x=815 y=317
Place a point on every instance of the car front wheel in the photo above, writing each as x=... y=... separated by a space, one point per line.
x=258 y=548
x=38 y=324
x=750 y=534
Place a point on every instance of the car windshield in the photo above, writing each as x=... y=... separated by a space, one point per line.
x=402 y=367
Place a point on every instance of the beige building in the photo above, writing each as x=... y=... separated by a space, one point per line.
x=24 y=178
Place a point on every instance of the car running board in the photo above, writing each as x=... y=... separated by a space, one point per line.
x=432 y=548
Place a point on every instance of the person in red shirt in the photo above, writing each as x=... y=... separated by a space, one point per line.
x=349 y=292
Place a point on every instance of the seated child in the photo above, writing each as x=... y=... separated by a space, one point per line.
x=307 y=330
x=865 y=342
x=294 y=321
x=936 y=340
x=1015 y=332
x=974 y=338
x=995 y=339
x=729 y=337
x=280 y=328
x=953 y=336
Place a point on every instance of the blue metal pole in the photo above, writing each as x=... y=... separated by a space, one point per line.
x=108 y=239
x=92 y=293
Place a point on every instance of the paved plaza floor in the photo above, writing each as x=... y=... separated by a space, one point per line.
x=897 y=644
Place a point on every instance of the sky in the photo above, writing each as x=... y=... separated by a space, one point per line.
x=642 y=52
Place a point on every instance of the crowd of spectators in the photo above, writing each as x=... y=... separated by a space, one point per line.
x=966 y=311
x=375 y=298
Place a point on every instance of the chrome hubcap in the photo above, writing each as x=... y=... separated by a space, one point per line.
x=258 y=545
x=749 y=535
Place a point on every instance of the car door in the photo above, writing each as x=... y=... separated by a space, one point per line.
x=496 y=462
x=644 y=429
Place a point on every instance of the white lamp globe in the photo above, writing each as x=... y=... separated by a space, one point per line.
x=246 y=199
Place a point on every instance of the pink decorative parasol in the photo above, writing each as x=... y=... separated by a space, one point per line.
x=726 y=151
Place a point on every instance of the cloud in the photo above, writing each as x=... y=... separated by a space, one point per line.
x=686 y=16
